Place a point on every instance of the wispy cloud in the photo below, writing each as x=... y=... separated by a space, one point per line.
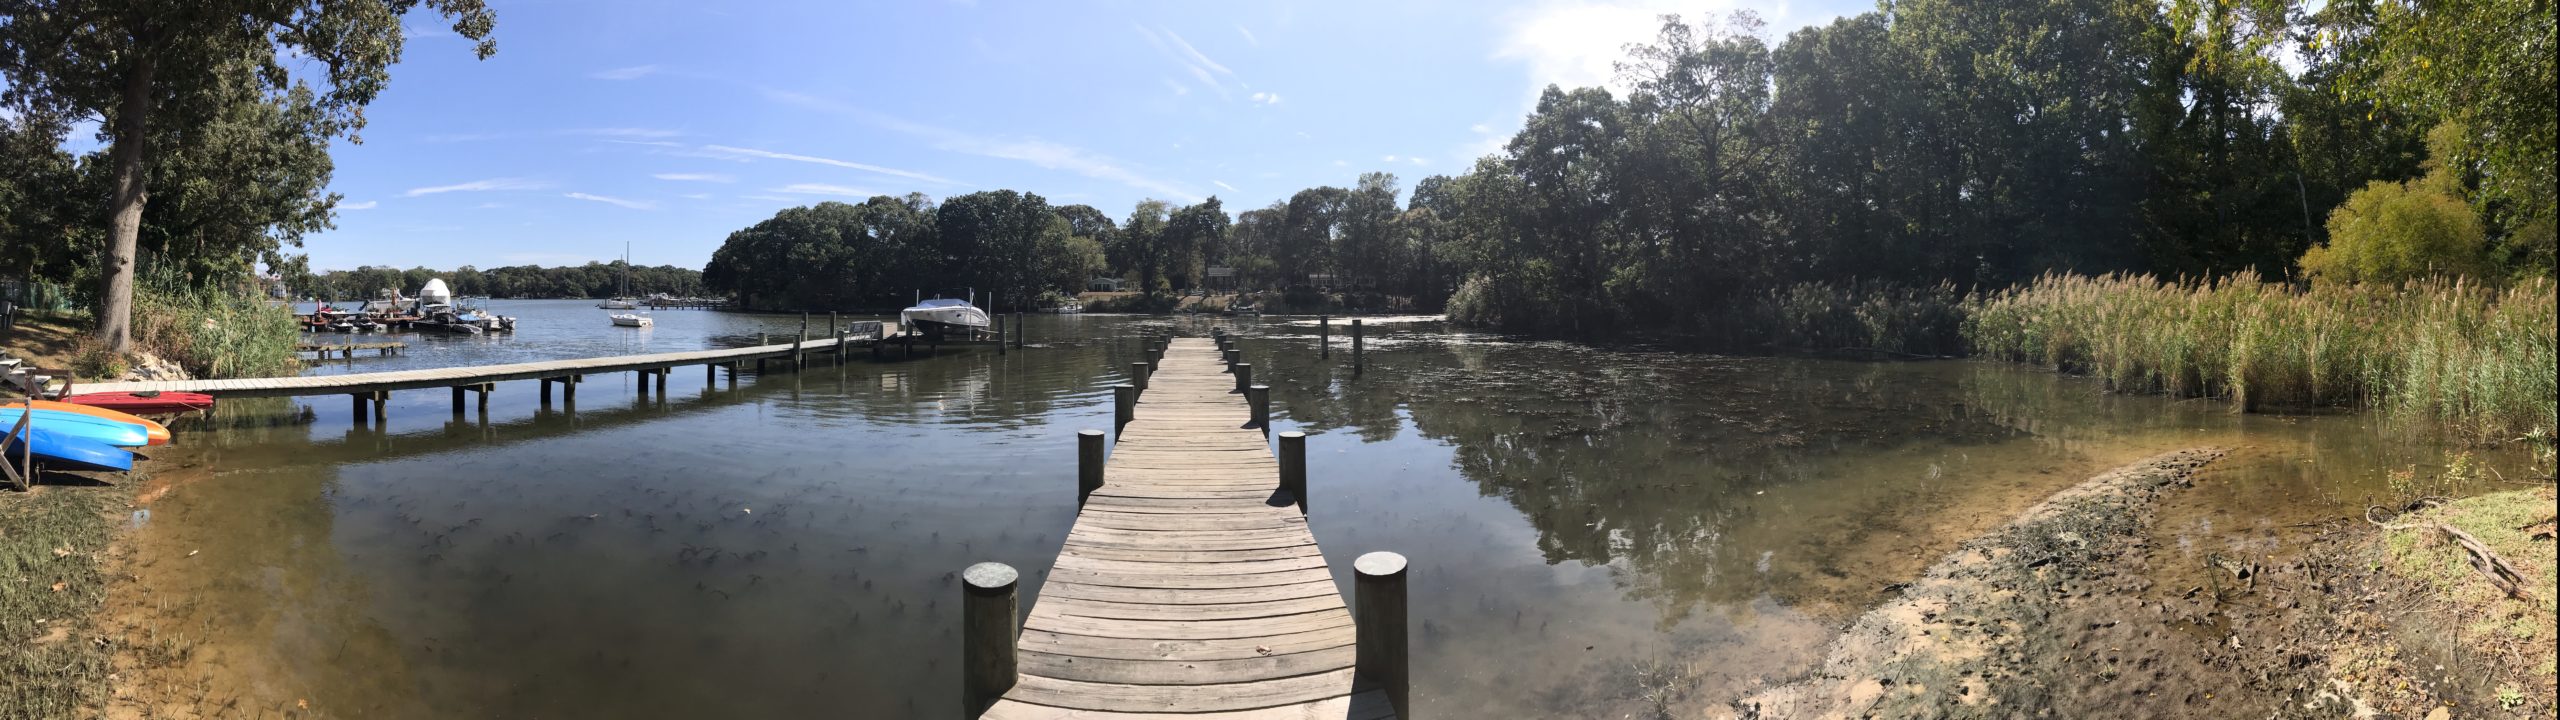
x=1267 y=98
x=769 y=198
x=1249 y=39
x=628 y=132
x=1181 y=52
x=824 y=189
x=365 y=205
x=634 y=72
x=739 y=153
x=1223 y=184
x=1178 y=87
x=1037 y=152
x=465 y=137
x=696 y=196
x=614 y=201
x=696 y=177
x=650 y=143
x=479 y=186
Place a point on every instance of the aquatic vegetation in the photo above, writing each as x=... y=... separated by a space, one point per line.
x=2475 y=358
x=215 y=333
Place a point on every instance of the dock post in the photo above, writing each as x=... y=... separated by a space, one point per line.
x=643 y=388
x=1258 y=398
x=1378 y=589
x=457 y=401
x=1231 y=356
x=1358 y=355
x=662 y=381
x=1244 y=376
x=1324 y=334
x=1018 y=335
x=1088 y=464
x=1293 y=467
x=1138 y=375
x=1124 y=406
x=569 y=390
x=987 y=619
x=381 y=408
x=1154 y=358
x=999 y=318
x=710 y=375
x=733 y=374
x=546 y=392
x=831 y=322
x=359 y=413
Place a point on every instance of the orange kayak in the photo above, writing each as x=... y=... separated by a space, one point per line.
x=159 y=434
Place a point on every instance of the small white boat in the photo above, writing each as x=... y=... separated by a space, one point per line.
x=632 y=320
x=945 y=316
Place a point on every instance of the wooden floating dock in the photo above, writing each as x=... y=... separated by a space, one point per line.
x=348 y=350
x=1190 y=583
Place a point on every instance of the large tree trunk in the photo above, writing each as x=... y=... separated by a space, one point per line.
x=131 y=156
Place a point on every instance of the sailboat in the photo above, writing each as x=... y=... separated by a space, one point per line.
x=622 y=288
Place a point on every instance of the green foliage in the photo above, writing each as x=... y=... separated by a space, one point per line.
x=57 y=661
x=2475 y=359
x=2390 y=232
x=1012 y=247
x=222 y=332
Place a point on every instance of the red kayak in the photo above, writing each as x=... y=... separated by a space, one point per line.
x=145 y=403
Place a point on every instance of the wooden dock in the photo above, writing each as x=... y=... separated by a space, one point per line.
x=1190 y=583
x=348 y=350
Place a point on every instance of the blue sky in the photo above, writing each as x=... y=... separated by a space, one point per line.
x=670 y=124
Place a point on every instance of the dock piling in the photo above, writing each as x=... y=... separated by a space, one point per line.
x=1232 y=355
x=1324 y=334
x=359 y=412
x=1244 y=376
x=457 y=401
x=988 y=621
x=1088 y=464
x=1124 y=406
x=1138 y=375
x=1293 y=467
x=1358 y=355
x=381 y=409
x=1258 y=399
x=1378 y=590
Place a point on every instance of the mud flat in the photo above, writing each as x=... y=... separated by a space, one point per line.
x=2024 y=621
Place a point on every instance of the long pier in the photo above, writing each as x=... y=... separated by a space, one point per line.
x=1190 y=583
x=373 y=390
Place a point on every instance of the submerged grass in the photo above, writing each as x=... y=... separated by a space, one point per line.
x=2476 y=359
x=53 y=662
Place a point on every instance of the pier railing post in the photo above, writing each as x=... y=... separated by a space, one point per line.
x=1124 y=406
x=987 y=629
x=1088 y=464
x=1244 y=376
x=1293 y=467
x=1258 y=398
x=1378 y=590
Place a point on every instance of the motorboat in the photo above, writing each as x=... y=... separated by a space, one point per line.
x=635 y=320
x=944 y=316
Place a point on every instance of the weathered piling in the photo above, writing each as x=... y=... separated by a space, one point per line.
x=1138 y=375
x=1244 y=376
x=1293 y=467
x=1358 y=355
x=1258 y=399
x=1000 y=344
x=1324 y=334
x=1124 y=406
x=1378 y=593
x=988 y=621
x=1088 y=464
x=1232 y=356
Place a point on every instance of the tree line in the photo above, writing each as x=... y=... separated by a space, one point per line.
x=1928 y=142
x=592 y=280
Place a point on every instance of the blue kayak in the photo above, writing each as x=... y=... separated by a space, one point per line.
x=70 y=424
x=62 y=452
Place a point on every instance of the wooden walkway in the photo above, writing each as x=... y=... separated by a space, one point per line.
x=1190 y=586
x=359 y=383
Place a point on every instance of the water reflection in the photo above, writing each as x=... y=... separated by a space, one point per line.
x=788 y=548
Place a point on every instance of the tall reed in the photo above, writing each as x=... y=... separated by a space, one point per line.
x=215 y=332
x=2478 y=359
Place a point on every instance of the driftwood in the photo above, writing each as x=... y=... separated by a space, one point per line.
x=2482 y=559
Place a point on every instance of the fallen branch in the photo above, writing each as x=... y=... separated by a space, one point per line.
x=2495 y=568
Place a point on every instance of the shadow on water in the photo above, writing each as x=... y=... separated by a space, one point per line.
x=1575 y=515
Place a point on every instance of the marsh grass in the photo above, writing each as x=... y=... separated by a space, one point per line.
x=53 y=663
x=1859 y=316
x=215 y=332
x=2477 y=359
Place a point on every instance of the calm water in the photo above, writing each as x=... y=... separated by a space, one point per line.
x=1577 y=517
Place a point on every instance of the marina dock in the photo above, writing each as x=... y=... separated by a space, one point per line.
x=348 y=350
x=1190 y=582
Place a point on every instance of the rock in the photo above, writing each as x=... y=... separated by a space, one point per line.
x=147 y=367
x=2440 y=713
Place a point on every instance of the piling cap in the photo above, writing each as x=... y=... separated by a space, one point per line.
x=1089 y=433
x=992 y=577
x=1380 y=564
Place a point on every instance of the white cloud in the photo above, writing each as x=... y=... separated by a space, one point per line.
x=696 y=177
x=1177 y=86
x=1223 y=184
x=824 y=189
x=1035 y=151
x=1267 y=98
x=1417 y=161
x=650 y=143
x=366 y=205
x=1199 y=65
x=614 y=201
x=634 y=72
x=1249 y=39
x=769 y=198
x=479 y=186
x=629 y=132
x=1578 y=44
x=1194 y=53
x=1342 y=163
x=1481 y=129
x=697 y=196
x=1390 y=158
x=739 y=153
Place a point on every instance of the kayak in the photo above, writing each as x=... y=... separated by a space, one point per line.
x=65 y=424
x=144 y=403
x=157 y=434
x=63 y=452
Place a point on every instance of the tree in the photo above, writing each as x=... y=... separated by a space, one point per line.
x=2389 y=232
x=1142 y=244
x=1195 y=237
x=148 y=67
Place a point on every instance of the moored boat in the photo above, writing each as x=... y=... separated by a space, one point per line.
x=635 y=320
x=945 y=316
